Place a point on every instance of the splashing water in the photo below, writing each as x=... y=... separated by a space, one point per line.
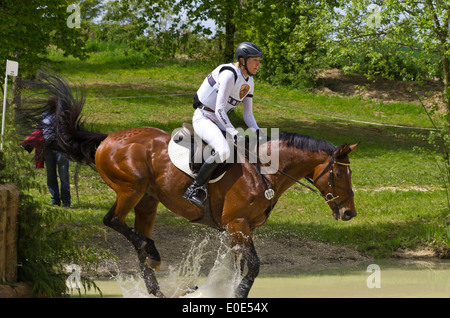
x=132 y=287
x=183 y=279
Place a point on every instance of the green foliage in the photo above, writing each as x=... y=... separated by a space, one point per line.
x=15 y=167
x=29 y=27
x=438 y=151
x=402 y=41
x=47 y=243
x=156 y=29
x=392 y=39
x=439 y=140
x=293 y=36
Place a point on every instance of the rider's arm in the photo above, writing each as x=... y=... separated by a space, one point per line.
x=226 y=83
x=249 y=119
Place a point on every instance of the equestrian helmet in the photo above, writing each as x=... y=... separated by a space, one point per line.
x=246 y=50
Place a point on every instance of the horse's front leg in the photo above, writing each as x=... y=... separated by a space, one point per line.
x=242 y=240
x=253 y=262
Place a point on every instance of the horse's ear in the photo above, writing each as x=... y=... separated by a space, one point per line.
x=353 y=147
x=345 y=150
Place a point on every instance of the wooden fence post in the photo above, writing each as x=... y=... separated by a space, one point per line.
x=9 y=211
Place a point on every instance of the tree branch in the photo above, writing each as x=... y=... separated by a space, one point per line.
x=442 y=34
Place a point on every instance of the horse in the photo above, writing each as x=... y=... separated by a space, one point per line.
x=135 y=163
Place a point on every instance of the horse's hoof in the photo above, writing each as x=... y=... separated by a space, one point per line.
x=241 y=294
x=191 y=290
x=159 y=294
x=153 y=264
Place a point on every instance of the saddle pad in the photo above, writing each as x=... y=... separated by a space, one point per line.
x=179 y=155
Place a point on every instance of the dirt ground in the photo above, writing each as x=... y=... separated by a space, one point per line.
x=293 y=255
x=334 y=82
x=277 y=256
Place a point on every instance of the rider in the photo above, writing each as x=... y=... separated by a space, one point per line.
x=222 y=91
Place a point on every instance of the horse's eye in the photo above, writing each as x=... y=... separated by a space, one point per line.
x=339 y=176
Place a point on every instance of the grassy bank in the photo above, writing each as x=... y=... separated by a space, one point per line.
x=398 y=193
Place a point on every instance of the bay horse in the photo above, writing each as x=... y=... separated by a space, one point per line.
x=135 y=164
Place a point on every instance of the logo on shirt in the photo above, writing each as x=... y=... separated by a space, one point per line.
x=223 y=117
x=244 y=90
x=233 y=102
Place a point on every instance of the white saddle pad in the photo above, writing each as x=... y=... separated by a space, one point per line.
x=179 y=155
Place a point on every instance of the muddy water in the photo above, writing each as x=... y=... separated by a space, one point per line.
x=390 y=279
x=395 y=278
x=399 y=278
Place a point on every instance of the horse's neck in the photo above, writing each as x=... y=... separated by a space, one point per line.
x=297 y=163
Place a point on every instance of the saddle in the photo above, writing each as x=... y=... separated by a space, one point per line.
x=186 y=151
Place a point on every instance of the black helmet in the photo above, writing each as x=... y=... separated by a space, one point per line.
x=246 y=50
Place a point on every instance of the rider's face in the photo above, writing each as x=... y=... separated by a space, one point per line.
x=253 y=64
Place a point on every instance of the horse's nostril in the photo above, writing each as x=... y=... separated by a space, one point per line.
x=348 y=214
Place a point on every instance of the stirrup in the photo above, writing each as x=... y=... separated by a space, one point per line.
x=191 y=193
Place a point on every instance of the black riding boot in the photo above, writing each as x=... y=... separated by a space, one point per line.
x=197 y=193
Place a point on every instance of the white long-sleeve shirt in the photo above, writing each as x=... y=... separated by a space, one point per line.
x=222 y=91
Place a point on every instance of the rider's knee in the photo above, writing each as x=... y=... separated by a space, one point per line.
x=223 y=153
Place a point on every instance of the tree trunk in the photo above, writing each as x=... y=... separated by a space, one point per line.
x=230 y=29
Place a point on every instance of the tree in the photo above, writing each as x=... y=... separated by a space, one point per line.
x=227 y=15
x=294 y=37
x=29 y=27
x=413 y=30
x=90 y=9
x=172 y=16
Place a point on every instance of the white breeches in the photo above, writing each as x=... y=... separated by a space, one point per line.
x=208 y=131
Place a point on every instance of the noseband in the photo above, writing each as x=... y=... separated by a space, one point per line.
x=330 y=196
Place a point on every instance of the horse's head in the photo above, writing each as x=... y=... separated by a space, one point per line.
x=333 y=179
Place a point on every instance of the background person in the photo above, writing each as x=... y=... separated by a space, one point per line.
x=56 y=162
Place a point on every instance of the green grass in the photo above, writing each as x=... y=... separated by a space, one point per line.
x=398 y=194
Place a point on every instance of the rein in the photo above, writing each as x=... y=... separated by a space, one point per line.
x=329 y=197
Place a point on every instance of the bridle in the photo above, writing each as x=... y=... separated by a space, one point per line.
x=330 y=196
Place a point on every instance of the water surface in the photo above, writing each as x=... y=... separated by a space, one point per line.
x=410 y=279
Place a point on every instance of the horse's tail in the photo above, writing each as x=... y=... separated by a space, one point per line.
x=78 y=143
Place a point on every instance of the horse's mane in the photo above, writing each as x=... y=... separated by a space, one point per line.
x=310 y=143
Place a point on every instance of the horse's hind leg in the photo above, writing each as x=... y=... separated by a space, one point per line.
x=149 y=259
x=145 y=212
x=145 y=246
